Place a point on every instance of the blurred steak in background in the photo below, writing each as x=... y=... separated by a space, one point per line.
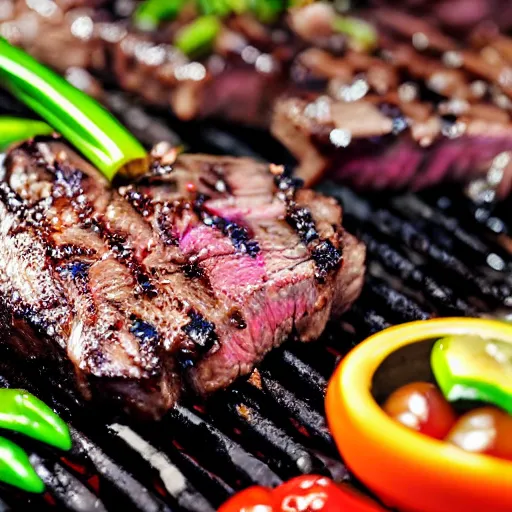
x=459 y=16
x=409 y=108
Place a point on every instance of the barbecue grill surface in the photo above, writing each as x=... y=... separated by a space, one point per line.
x=437 y=254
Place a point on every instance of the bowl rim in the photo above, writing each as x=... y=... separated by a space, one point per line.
x=353 y=381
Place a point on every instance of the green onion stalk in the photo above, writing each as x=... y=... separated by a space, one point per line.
x=151 y=13
x=198 y=36
x=71 y=112
x=14 y=129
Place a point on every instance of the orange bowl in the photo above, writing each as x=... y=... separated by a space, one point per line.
x=407 y=470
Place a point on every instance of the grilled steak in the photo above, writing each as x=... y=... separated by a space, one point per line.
x=459 y=16
x=411 y=117
x=376 y=145
x=187 y=278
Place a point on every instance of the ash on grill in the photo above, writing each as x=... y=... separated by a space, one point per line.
x=435 y=254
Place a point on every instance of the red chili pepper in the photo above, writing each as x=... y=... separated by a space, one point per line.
x=249 y=500
x=309 y=493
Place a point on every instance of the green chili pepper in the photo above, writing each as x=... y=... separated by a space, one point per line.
x=198 y=36
x=15 y=468
x=22 y=412
x=362 y=35
x=14 y=129
x=74 y=114
x=151 y=13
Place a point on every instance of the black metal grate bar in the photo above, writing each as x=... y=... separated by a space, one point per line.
x=276 y=446
x=213 y=448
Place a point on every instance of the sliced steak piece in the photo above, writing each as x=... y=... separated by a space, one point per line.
x=186 y=278
x=459 y=16
x=376 y=145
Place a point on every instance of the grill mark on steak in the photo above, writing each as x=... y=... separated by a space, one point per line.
x=66 y=251
x=193 y=270
x=238 y=235
x=10 y=199
x=78 y=271
x=213 y=179
x=202 y=334
x=146 y=333
x=302 y=221
x=124 y=253
x=141 y=203
x=146 y=206
x=325 y=255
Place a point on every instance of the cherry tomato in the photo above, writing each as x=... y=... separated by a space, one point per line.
x=309 y=493
x=486 y=430
x=421 y=406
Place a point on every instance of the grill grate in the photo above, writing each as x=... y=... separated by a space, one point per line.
x=434 y=254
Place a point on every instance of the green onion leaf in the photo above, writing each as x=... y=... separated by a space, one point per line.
x=14 y=129
x=74 y=114
x=198 y=37
x=362 y=35
x=151 y=13
x=267 y=11
x=299 y=3
x=217 y=7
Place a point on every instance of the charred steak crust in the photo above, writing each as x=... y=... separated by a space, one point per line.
x=168 y=282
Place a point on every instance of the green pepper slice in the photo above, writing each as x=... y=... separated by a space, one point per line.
x=15 y=468
x=74 y=114
x=23 y=412
x=474 y=368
